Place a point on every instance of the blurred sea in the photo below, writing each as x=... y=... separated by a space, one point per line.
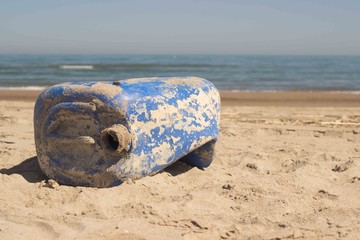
x=245 y=73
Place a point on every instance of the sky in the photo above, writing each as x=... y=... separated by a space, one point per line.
x=281 y=27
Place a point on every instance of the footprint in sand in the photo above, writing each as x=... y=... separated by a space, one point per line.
x=325 y=194
x=342 y=167
x=292 y=165
x=355 y=180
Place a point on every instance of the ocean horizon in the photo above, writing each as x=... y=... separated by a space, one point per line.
x=227 y=72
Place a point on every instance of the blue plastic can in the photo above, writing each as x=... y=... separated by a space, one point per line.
x=102 y=133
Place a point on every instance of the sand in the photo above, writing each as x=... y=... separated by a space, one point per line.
x=287 y=166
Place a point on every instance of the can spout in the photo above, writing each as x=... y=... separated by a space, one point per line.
x=115 y=139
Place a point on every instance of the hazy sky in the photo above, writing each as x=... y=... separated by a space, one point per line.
x=181 y=27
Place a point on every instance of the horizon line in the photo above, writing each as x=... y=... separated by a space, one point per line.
x=185 y=54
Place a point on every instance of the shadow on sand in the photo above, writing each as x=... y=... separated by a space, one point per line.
x=29 y=169
x=177 y=168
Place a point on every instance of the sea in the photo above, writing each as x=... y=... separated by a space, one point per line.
x=227 y=72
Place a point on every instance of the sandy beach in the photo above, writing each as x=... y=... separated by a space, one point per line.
x=287 y=167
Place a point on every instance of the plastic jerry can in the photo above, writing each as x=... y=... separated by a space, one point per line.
x=102 y=133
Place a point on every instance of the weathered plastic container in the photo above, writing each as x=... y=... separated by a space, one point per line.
x=102 y=133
